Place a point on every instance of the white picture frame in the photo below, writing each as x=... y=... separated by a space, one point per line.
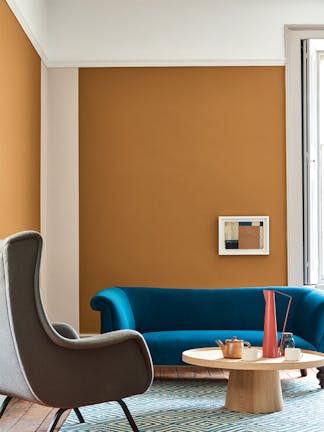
x=243 y=235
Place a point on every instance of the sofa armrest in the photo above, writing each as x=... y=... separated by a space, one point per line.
x=115 y=310
x=309 y=318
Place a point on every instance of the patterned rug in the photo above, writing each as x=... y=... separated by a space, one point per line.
x=197 y=406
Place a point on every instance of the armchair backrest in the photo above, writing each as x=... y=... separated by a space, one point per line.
x=21 y=331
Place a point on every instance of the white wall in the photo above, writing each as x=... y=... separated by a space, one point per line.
x=60 y=194
x=43 y=183
x=136 y=32
x=32 y=16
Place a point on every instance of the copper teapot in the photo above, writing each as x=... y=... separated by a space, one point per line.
x=232 y=348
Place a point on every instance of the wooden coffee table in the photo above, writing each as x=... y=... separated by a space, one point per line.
x=253 y=386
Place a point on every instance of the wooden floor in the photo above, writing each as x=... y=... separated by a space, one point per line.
x=22 y=416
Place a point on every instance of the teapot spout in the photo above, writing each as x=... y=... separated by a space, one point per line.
x=221 y=345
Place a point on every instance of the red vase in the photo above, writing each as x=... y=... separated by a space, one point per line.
x=270 y=337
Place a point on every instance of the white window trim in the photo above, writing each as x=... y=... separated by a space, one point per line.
x=293 y=36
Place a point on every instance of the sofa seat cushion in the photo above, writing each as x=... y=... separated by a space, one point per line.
x=166 y=346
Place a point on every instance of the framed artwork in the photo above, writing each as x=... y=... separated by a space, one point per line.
x=243 y=235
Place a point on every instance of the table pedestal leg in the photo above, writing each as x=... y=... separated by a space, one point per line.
x=254 y=391
x=320 y=376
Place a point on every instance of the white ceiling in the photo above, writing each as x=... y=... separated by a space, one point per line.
x=162 y=32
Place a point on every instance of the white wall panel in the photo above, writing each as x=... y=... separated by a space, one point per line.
x=60 y=195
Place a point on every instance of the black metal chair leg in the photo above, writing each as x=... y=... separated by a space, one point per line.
x=79 y=415
x=4 y=405
x=128 y=415
x=56 y=419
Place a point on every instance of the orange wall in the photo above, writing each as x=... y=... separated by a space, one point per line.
x=163 y=153
x=19 y=128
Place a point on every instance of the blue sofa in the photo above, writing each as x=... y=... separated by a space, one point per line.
x=174 y=320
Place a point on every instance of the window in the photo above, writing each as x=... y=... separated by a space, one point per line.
x=304 y=161
x=313 y=159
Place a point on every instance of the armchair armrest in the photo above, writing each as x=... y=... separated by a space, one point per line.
x=100 y=341
x=115 y=309
x=100 y=368
x=309 y=318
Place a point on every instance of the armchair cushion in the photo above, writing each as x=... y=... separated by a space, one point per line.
x=65 y=330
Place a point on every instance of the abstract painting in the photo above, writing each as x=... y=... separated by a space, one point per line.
x=243 y=235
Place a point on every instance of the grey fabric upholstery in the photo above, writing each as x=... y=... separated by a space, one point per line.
x=65 y=330
x=51 y=365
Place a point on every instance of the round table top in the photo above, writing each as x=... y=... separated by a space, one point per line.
x=213 y=358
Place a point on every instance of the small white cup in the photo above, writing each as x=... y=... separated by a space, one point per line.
x=250 y=354
x=293 y=354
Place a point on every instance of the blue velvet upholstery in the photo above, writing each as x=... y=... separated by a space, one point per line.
x=166 y=347
x=173 y=320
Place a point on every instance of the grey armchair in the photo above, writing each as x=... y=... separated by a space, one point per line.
x=49 y=364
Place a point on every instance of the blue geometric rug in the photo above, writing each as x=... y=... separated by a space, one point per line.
x=197 y=406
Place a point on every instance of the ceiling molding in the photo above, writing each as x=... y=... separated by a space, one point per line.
x=30 y=34
x=167 y=63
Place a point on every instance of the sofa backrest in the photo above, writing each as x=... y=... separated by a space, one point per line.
x=162 y=309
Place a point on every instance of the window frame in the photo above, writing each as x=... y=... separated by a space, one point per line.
x=294 y=34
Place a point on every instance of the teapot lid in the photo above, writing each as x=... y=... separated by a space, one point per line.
x=234 y=339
